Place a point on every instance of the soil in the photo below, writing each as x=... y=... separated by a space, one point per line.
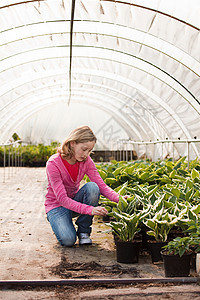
x=30 y=251
x=78 y=270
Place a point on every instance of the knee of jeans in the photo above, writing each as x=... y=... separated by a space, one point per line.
x=93 y=193
x=68 y=240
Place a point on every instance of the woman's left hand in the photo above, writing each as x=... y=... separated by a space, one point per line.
x=99 y=211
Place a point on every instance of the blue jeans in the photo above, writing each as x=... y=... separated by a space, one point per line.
x=60 y=217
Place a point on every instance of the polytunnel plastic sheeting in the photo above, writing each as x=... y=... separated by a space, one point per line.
x=131 y=71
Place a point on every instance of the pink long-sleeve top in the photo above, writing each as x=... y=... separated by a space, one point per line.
x=61 y=187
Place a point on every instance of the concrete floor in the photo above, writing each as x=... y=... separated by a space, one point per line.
x=29 y=249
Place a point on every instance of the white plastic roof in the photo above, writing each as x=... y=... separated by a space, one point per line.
x=128 y=69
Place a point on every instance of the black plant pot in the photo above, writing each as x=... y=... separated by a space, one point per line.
x=145 y=239
x=127 y=252
x=193 y=259
x=106 y=219
x=155 y=249
x=176 y=266
x=175 y=232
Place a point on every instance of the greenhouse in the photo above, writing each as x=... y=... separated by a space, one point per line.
x=129 y=70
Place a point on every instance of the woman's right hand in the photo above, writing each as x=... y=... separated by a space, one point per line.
x=99 y=211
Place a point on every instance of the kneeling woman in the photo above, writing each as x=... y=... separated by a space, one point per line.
x=65 y=199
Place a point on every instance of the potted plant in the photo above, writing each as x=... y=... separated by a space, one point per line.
x=125 y=228
x=160 y=225
x=166 y=213
x=177 y=257
x=194 y=232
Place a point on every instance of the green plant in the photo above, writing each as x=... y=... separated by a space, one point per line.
x=125 y=222
x=195 y=243
x=126 y=226
x=194 y=232
x=15 y=137
x=193 y=227
x=160 y=225
x=161 y=217
x=33 y=155
x=178 y=246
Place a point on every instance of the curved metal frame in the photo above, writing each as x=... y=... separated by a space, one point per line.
x=130 y=83
x=166 y=78
x=160 y=101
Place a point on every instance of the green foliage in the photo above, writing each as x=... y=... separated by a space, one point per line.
x=194 y=232
x=164 y=194
x=161 y=224
x=15 y=137
x=32 y=155
x=125 y=225
x=178 y=246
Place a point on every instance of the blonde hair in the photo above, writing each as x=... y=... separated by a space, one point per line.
x=81 y=134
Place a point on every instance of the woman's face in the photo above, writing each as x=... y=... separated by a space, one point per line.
x=82 y=150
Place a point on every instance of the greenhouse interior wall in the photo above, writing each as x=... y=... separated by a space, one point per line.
x=111 y=65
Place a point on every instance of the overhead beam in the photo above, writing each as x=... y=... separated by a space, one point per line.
x=71 y=42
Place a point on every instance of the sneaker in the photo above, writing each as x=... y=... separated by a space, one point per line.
x=84 y=239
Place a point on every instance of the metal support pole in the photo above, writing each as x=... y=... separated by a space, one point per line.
x=18 y=158
x=131 y=150
x=117 y=151
x=12 y=160
x=4 y=163
x=174 y=142
x=188 y=154
x=15 y=160
x=154 y=152
x=145 y=151
x=8 y=161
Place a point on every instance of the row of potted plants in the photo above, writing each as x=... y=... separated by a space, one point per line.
x=158 y=222
x=163 y=206
x=31 y=155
